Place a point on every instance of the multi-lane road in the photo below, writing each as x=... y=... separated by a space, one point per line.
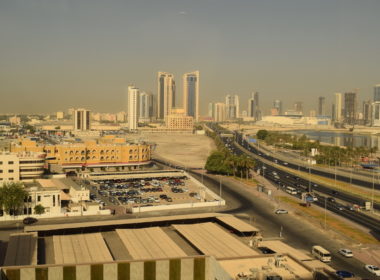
x=338 y=202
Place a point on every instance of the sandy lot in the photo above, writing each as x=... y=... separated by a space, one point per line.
x=184 y=149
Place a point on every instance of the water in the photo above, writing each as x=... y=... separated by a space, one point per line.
x=341 y=138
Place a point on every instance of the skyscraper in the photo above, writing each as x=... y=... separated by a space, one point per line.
x=298 y=107
x=210 y=111
x=321 y=106
x=165 y=94
x=220 y=112
x=376 y=93
x=338 y=107
x=253 y=106
x=375 y=113
x=367 y=112
x=145 y=106
x=277 y=104
x=232 y=106
x=82 y=119
x=191 y=94
x=350 y=107
x=133 y=100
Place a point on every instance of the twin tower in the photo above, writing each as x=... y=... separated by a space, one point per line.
x=139 y=102
x=166 y=94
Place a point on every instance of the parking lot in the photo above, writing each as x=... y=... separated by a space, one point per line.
x=146 y=192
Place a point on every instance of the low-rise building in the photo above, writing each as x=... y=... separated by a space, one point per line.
x=105 y=152
x=21 y=166
x=178 y=120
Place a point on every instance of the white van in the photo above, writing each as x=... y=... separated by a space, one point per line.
x=291 y=190
x=321 y=253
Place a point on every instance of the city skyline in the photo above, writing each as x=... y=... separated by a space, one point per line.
x=58 y=51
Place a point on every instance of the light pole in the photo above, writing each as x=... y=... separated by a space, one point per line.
x=220 y=188
x=309 y=179
x=373 y=189
x=325 y=210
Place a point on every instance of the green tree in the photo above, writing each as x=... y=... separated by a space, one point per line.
x=39 y=209
x=262 y=134
x=12 y=196
x=246 y=164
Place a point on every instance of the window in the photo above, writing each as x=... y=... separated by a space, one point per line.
x=10 y=162
x=10 y=171
x=10 y=179
x=1 y=162
x=1 y=171
x=38 y=198
x=53 y=200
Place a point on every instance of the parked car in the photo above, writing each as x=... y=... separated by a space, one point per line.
x=266 y=250
x=29 y=220
x=346 y=252
x=342 y=274
x=373 y=269
x=281 y=211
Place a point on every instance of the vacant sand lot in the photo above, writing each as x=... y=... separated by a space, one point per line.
x=184 y=149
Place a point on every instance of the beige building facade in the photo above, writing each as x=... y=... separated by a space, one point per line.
x=106 y=151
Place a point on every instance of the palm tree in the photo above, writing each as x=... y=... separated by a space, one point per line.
x=246 y=163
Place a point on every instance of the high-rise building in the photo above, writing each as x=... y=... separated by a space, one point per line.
x=232 y=106
x=133 y=114
x=298 y=107
x=277 y=104
x=321 y=106
x=253 y=106
x=376 y=93
x=145 y=106
x=82 y=119
x=367 y=112
x=165 y=94
x=376 y=113
x=337 y=116
x=258 y=110
x=210 y=111
x=220 y=112
x=350 y=107
x=191 y=94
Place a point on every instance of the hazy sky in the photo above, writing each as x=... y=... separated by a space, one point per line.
x=56 y=54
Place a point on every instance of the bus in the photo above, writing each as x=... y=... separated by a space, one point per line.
x=291 y=190
x=321 y=253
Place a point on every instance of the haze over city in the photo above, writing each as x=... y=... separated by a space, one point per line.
x=58 y=53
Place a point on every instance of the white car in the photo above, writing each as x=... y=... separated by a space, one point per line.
x=281 y=211
x=373 y=269
x=346 y=252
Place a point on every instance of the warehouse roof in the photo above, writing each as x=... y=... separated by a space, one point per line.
x=149 y=243
x=212 y=240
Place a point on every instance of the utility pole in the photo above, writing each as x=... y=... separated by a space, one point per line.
x=373 y=189
x=220 y=188
x=325 y=211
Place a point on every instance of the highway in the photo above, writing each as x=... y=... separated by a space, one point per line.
x=285 y=179
x=242 y=203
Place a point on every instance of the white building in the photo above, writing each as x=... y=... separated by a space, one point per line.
x=165 y=94
x=82 y=120
x=232 y=107
x=21 y=166
x=191 y=94
x=338 y=107
x=220 y=112
x=133 y=99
